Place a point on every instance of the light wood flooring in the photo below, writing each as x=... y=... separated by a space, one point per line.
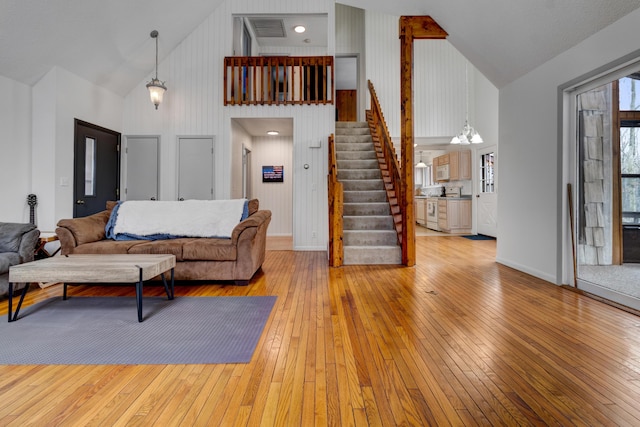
x=456 y=340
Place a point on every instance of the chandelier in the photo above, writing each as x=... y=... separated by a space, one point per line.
x=468 y=135
x=155 y=86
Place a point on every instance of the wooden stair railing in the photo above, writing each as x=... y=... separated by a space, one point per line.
x=278 y=80
x=387 y=160
x=336 y=207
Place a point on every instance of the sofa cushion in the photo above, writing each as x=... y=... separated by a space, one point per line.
x=7 y=259
x=87 y=229
x=209 y=250
x=11 y=235
x=163 y=247
x=106 y=247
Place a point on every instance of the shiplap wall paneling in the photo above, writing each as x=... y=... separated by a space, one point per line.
x=350 y=41
x=383 y=65
x=439 y=88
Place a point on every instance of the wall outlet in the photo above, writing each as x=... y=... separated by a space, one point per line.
x=314 y=234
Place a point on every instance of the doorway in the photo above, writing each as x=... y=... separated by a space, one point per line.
x=487 y=196
x=346 y=88
x=96 y=176
x=607 y=223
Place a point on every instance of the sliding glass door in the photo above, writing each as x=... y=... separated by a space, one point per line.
x=607 y=223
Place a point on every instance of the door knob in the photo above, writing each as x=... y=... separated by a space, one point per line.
x=79 y=202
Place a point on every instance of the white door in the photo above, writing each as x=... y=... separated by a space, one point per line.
x=142 y=157
x=487 y=197
x=195 y=168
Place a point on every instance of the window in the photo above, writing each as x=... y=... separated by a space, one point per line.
x=487 y=184
x=630 y=149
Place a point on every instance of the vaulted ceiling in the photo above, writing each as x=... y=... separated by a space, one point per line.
x=108 y=43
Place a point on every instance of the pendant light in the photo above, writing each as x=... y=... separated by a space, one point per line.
x=468 y=134
x=421 y=164
x=155 y=86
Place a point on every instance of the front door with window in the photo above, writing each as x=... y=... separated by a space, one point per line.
x=96 y=168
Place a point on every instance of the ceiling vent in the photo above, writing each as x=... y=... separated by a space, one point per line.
x=268 y=27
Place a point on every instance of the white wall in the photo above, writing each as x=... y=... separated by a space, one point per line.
x=15 y=150
x=531 y=215
x=58 y=99
x=276 y=197
x=350 y=41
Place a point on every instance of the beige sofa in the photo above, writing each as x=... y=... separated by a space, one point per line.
x=210 y=259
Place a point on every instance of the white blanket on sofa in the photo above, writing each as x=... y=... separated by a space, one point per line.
x=189 y=218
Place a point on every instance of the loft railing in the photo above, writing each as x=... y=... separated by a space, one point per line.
x=336 y=206
x=278 y=80
x=387 y=159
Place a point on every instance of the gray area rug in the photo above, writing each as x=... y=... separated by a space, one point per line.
x=106 y=331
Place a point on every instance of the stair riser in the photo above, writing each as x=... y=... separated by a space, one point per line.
x=358 y=174
x=358 y=164
x=368 y=223
x=353 y=131
x=347 y=125
x=376 y=196
x=370 y=238
x=364 y=146
x=362 y=209
x=356 y=155
x=362 y=185
x=372 y=256
x=353 y=139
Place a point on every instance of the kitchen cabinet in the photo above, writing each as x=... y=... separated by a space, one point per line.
x=464 y=169
x=420 y=210
x=459 y=165
x=454 y=215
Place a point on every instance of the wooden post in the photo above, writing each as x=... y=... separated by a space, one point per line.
x=411 y=27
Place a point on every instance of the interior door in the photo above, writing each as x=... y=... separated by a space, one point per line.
x=346 y=88
x=96 y=177
x=487 y=197
x=195 y=168
x=142 y=156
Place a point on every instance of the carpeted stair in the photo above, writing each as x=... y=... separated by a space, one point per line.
x=369 y=235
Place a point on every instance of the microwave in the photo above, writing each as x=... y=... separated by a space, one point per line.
x=442 y=173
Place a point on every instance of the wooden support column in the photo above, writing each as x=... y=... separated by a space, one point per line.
x=411 y=27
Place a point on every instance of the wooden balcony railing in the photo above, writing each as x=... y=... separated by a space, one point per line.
x=278 y=80
x=387 y=159
x=336 y=206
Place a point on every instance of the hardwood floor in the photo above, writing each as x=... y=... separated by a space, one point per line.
x=455 y=340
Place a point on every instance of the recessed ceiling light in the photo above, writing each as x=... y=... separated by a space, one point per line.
x=299 y=29
x=273 y=132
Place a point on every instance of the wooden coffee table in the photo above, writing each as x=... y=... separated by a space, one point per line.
x=92 y=269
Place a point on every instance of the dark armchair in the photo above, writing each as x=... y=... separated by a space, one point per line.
x=17 y=245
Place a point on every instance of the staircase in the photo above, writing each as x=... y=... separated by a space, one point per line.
x=369 y=235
